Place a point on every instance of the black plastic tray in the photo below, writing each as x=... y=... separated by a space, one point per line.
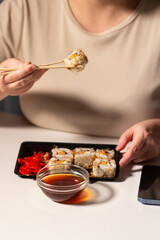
x=27 y=149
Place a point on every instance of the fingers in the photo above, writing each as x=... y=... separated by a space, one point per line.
x=23 y=89
x=133 y=151
x=145 y=142
x=137 y=136
x=125 y=138
x=19 y=74
x=14 y=62
x=26 y=80
x=21 y=80
x=139 y=160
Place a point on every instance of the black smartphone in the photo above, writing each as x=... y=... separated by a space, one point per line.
x=149 y=188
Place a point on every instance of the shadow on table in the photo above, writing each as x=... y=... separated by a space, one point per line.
x=128 y=170
x=101 y=192
x=13 y=120
x=97 y=193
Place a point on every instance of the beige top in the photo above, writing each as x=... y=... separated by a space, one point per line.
x=121 y=83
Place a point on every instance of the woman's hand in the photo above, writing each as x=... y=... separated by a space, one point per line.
x=19 y=81
x=145 y=142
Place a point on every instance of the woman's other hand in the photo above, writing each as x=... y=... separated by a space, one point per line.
x=19 y=81
x=145 y=142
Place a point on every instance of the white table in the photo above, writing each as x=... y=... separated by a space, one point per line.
x=26 y=213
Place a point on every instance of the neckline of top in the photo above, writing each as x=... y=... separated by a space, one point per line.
x=118 y=27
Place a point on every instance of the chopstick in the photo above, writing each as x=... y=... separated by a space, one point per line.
x=57 y=66
x=51 y=63
x=6 y=71
x=46 y=66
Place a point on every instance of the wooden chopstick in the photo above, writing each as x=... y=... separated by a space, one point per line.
x=46 y=64
x=5 y=71
x=51 y=63
x=57 y=66
x=43 y=66
x=8 y=69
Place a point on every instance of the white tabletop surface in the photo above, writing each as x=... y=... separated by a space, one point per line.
x=26 y=213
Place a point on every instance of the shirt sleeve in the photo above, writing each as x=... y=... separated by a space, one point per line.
x=11 y=26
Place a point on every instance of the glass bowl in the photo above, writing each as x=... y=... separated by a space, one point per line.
x=62 y=182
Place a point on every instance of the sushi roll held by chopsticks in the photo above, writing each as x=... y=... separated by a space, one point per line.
x=75 y=62
x=77 y=59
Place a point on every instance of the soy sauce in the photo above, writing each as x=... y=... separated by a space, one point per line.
x=64 y=181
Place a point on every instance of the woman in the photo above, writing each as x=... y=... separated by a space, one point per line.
x=118 y=90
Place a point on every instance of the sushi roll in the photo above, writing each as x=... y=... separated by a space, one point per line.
x=77 y=60
x=62 y=153
x=104 y=168
x=84 y=157
x=105 y=153
x=46 y=157
x=59 y=163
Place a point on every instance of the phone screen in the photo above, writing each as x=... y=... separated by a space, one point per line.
x=149 y=188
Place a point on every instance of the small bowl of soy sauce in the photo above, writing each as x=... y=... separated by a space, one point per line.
x=62 y=182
